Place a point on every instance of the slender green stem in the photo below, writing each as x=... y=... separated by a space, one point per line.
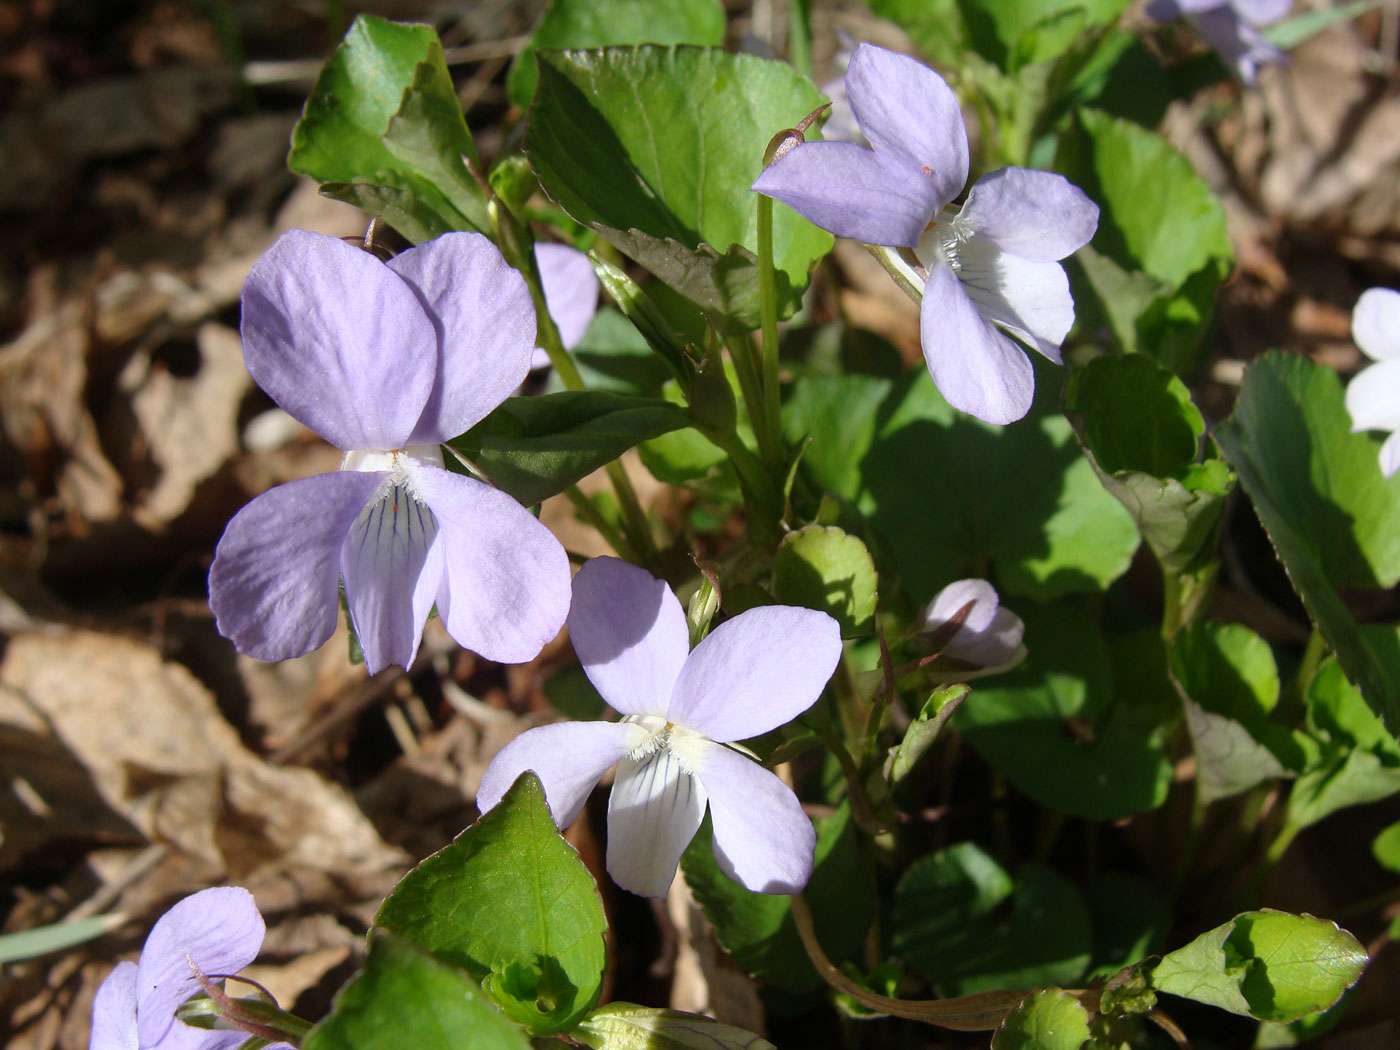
x=590 y=513
x=800 y=36
x=768 y=306
x=638 y=528
x=1191 y=847
x=862 y=812
x=1171 y=604
x=763 y=500
x=741 y=352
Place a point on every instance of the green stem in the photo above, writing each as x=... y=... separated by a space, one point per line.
x=1171 y=604
x=764 y=506
x=638 y=528
x=741 y=352
x=800 y=36
x=768 y=306
x=590 y=513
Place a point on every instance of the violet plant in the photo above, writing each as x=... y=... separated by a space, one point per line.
x=883 y=839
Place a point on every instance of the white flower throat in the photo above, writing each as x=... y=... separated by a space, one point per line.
x=652 y=733
x=395 y=520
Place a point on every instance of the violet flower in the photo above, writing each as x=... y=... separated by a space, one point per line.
x=570 y=294
x=988 y=640
x=387 y=362
x=1373 y=395
x=1231 y=27
x=988 y=265
x=212 y=932
x=753 y=673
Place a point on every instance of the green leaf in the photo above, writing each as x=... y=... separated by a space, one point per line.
x=1072 y=726
x=821 y=567
x=952 y=497
x=1329 y=512
x=405 y=998
x=757 y=929
x=625 y=1026
x=1161 y=248
x=384 y=129
x=608 y=23
x=655 y=148
x=948 y=923
x=510 y=902
x=1265 y=964
x=1386 y=848
x=1360 y=761
x=536 y=447
x=29 y=944
x=1048 y=1020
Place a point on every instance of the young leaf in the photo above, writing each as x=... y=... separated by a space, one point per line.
x=757 y=929
x=821 y=567
x=1048 y=1020
x=1265 y=964
x=655 y=148
x=384 y=130
x=510 y=902
x=405 y=998
x=1325 y=505
x=625 y=1026
x=949 y=923
x=536 y=447
x=608 y=23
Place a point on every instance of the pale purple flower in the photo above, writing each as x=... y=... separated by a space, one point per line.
x=987 y=267
x=387 y=362
x=570 y=294
x=1373 y=395
x=752 y=674
x=212 y=932
x=1231 y=27
x=989 y=638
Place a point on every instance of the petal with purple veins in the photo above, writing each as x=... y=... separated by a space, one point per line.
x=630 y=634
x=1031 y=300
x=570 y=289
x=485 y=321
x=276 y=575
x=976 y=368
x=568 y=757
x=763 y=839
x=392 y=569
x=1037 y=215
x=853 y=192
x=906 y=110
x=339 y=341
x=216 y=931
x=505 y=582
x=654 y=810
x=756 y=672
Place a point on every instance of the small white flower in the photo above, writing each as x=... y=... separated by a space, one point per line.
x=1373 y=396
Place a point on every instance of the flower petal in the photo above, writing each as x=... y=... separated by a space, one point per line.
x=392 y=570
x=906 y=110
x=976 y=368
x=114 y=1010
x=756 y=672
x=1373 y=397
x=570 y=289
x=996 y=646
x=653 y=812
x=947 y=602
x=276 y=573
x=485 y=321
x=1031 y=300
x=338 y=341
x=568 y=757
x=218 y=931
x=1241 y=45
x=763 y=839
x=1034 y=214
x=853 y=192
x=1375 y=323
x=630 y=634
x=1390 y=455
x=505 y=588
